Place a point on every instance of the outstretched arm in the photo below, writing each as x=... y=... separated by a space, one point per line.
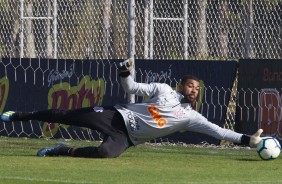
x=140 y=89
x=198 y=123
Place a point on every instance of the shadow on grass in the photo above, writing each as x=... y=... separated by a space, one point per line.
x=248 y=159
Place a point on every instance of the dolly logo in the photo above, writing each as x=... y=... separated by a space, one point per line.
x=155 y=114
x=270 y=112
x=64 y=96
x=4 y=90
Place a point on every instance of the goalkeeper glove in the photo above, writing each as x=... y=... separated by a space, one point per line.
x=255 y=138
x=125 y=67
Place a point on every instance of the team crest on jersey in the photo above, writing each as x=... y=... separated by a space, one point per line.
x=98 y=109
x=180 y=113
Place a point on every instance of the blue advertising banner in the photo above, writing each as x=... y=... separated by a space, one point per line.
x=259 y=103
x=29 y=84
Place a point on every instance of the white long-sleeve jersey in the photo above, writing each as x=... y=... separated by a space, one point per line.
x=163 y=114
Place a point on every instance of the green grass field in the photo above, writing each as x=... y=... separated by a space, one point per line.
x=142 y=164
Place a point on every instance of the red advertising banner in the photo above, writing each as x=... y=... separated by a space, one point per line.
x=259 y=102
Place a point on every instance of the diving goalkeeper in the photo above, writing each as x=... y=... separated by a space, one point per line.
x=125 y=125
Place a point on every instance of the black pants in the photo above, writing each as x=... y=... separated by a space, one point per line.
x=108 y=121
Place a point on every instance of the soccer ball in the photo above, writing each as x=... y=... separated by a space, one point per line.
x=268 y=148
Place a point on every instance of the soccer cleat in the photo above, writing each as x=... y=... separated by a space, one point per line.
x=126 y=65
x=255 y=138
x=6 y=116
x=51 y=151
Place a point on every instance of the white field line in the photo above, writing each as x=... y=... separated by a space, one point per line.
x=42 y=180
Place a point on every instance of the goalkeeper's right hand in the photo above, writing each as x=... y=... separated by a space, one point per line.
x=125 y=67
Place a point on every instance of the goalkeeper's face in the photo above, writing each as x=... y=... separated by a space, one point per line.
x=190 y=90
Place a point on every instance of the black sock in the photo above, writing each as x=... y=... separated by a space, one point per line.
x=22 y=116
x=64 y=151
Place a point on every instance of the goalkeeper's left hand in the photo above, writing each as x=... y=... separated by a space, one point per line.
x=255 y=138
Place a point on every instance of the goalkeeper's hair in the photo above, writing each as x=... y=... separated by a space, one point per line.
x=187 y=77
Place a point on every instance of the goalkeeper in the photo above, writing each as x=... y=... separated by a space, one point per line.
x=126 y=125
